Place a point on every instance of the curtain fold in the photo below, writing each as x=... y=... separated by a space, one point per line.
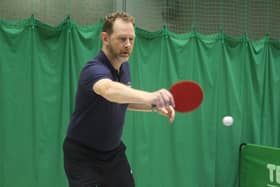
x=39 y=70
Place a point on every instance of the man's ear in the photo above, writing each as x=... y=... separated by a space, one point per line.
x=104 y=37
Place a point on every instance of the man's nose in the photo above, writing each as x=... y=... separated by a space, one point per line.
x=128 y=43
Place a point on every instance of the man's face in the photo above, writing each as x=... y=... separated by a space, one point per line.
x=121 y=41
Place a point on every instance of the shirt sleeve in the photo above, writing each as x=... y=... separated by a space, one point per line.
x=92 y=73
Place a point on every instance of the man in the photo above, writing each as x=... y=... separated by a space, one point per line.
x=94 y=155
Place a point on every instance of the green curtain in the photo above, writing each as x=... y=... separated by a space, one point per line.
x=39 y=69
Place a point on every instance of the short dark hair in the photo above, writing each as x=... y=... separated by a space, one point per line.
x=111 y=18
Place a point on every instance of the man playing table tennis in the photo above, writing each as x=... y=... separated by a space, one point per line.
x=94 y=155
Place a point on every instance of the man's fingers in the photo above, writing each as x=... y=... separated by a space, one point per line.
x=167 y=97
x=163 y=99
x=169 y=112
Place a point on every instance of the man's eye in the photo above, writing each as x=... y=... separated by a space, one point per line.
x=123 y=39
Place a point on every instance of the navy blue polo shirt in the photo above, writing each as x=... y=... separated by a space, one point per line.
x=97 y=122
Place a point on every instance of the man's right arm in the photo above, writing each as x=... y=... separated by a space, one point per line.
x=120 y=93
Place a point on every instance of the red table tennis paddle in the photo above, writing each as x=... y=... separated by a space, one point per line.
x=188 y=95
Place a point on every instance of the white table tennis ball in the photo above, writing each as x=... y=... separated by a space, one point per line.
x=228 y=120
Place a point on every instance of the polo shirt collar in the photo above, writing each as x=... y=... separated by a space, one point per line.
x=107 y=62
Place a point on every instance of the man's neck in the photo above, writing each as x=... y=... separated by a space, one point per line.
x=114 y=61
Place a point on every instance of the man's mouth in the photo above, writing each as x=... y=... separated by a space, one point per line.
x=125 y=53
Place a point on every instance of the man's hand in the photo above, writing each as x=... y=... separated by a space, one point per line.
x=162 y=99
x=167 y=111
